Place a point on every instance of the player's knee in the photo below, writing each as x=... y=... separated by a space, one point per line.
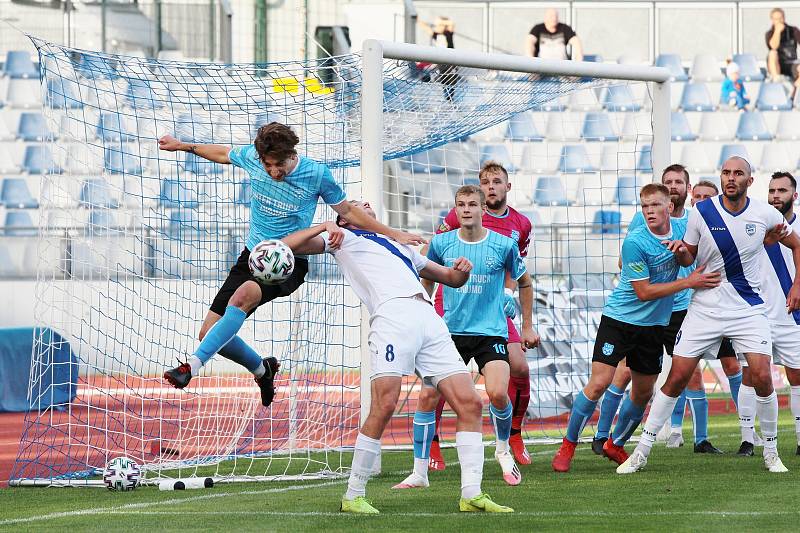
x=761 y=378
x=469 y=406
x=499 y=398
x=520 y=369
x=246 y=297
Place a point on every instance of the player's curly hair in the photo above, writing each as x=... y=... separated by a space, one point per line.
x=276 y=140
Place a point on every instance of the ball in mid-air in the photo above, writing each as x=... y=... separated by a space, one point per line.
x=271 y=262
x=122 y=473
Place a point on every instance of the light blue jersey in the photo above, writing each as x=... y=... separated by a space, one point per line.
x=477 y=307
x=644 y=257
x=681 y=299
x=278 y=208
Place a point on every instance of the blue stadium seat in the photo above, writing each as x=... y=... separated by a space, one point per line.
x=593 y=58
x=645 y=161
x=183 y=223
x=730 y=150
x=496 y=152
x=696 y=98
x=773 y=97
x=607 y=222
x=175 y=195
x=597 y=127
x=33 y=127
x=199 y=165
x=19 y=65
x=748 y=67
x=93 y=66
x=15 y=194
x=97 y=193
x=39 y=160
x=627 y=190
x=118 y=161
x=681 y=131
x=672 y=62
x=521 y=128
x=620 y=98
x=431 y=161
x=752 y=127
x=63 y=94
x=101 y=222
x=705 y=67
x=575 y=160
x=140 y=95
x=113 y=127
x=550 y=191
x=20 y=224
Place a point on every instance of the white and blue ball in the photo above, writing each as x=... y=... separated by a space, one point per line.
x=122 y=474
x=271 y=262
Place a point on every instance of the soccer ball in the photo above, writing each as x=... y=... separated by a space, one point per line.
x=121 y=474
x=271 y=262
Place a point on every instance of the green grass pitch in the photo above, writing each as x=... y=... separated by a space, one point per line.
x=679 y=491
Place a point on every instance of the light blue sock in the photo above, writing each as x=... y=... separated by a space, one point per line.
x=240 y=352
x=698 y=403
x=424 y=429
x=501 y=420
x=676 y=420
x=630 y=416
x=608 y=410
x=582 y=411
x=220 y=333
x=735 y=381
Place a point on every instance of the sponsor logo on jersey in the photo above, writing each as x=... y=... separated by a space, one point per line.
x=608 y=349
x=637 y=267
x=717 y=228
x=750 y=229
x=492 y=263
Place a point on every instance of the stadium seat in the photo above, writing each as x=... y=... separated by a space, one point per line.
x=788 y=128
x=175 y=195
x=101 y=222
x=424 y=162
x=620 y=98
x=549 y=192
x=644 y=162
x=499 y=153
x=606 y=221
x=672 y=62
x=695 y=158
x=696 y=98
x=774 y=157
x=636 y=126
x=705 y=67
x=748 y=67
x=627 y=192
x=752 y=127
x=716 y=127
x=119 y=161
x=15 y=194
x=583 y=100
x=33 y=128
x=521 y=128
x=565 y=126
x=773 y=97
x=575 y=160
x=39 y=160
x=198 y=165
x=730 y=150
x=183 y=222
x=19 y=65
x=24 y=93
x=597 y=127
x=94 y=66
x=140 y=95
x=97 y=193
x=7 y=163
x=113 y=128
x=534 y=216
x=555 y=103
x=681 y=131
x=20 y=224
x=63 y=94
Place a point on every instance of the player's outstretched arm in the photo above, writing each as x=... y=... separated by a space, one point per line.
x=358 y=217
x=308 y=241
x=530 y=338
x=452 y=277
x=699 y=279
x=217 y=153
x=792 y=241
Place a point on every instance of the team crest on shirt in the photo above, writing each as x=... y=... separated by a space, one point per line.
x=492 y=263
x=608 y=349
x=443 y=227
x=750 y=229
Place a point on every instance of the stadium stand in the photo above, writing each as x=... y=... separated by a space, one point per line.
x=705 y=68
x=748 y=67
x=672 y=62
x=19 y=65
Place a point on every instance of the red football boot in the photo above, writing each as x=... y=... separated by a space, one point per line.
x=564 y=456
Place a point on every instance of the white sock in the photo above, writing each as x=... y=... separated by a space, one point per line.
x=795 y=405
x=421 y=467
x=767 y=409
x=747 y=413
x=469 y=445
x=260 y=371
x=501 y=446
x=366 y=451
x=196 y=365
x=660 y=411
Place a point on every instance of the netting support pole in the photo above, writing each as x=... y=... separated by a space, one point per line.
x=660 y=151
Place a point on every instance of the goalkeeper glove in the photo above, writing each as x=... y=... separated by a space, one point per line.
x=509 y=303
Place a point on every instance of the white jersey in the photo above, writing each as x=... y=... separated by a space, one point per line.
x=777 y=268
x=732 y=244
x=378 y=268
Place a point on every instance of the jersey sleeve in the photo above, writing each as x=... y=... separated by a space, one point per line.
x=774 y=218
x=514 y=263
x=348 y=238
x=329 y=190
x=636 y=222
x=525 y=236
x=634 y=262
x=692 y=235
x=239 y=155
x=449 y=223
x=434 y=252
x=419 y=260
x=569 y=33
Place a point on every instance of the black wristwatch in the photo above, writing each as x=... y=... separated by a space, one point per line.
x=192 y=148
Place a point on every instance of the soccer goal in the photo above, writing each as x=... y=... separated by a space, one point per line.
x=134 y=243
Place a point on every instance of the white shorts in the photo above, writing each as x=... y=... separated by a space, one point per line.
x=786 y=345
x=701 y=334
x=407 y=337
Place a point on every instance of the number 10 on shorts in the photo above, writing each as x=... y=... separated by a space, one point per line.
x=500 y=348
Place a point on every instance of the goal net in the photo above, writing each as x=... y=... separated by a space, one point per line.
x=134 y=243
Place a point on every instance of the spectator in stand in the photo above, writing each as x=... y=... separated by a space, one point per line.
x=441 y=34
x=782 y=41
x=550 y=39
x=733 y=92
